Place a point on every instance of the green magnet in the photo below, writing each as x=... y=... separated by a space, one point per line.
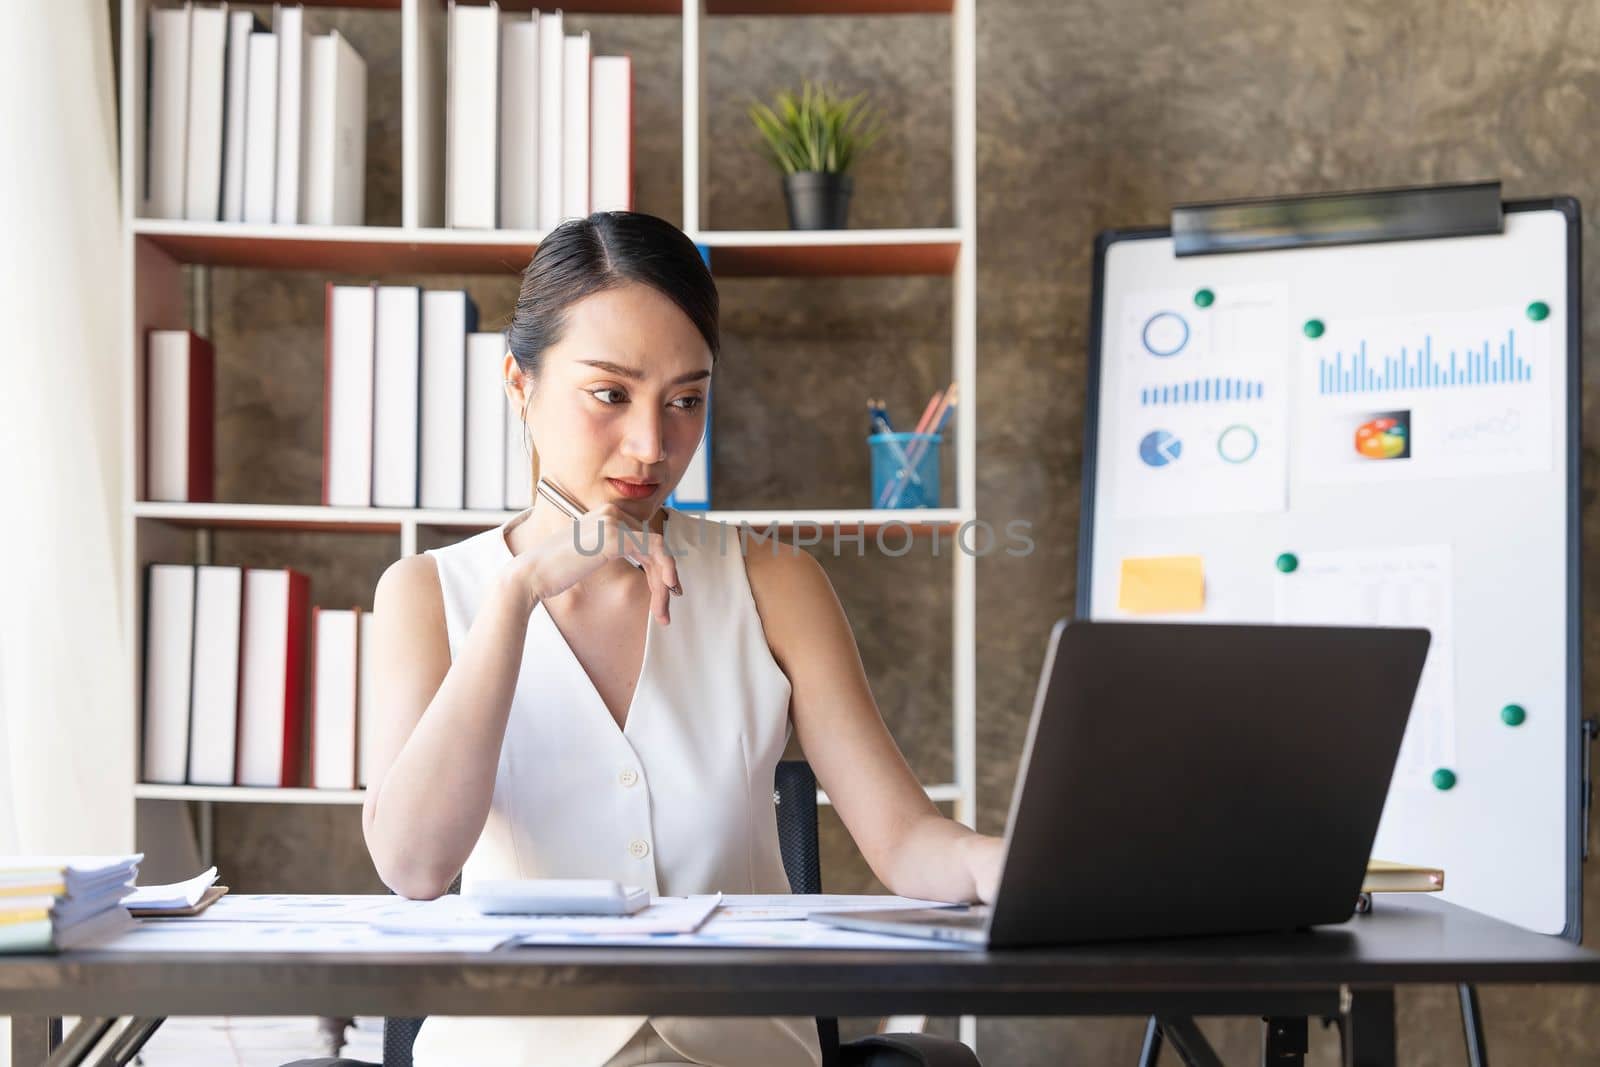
x=1288 y=562
x=1314 y=328
x=1513 y=715
x=1204 y=298
x=1444 y=778
x=1538 y=311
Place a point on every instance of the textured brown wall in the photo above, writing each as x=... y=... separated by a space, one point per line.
x=1091 y=115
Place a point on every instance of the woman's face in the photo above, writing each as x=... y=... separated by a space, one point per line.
x=619 y=407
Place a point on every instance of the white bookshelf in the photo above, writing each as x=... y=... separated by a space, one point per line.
x=155 y=250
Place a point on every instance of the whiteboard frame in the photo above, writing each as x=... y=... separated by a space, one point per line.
x=1577 y=813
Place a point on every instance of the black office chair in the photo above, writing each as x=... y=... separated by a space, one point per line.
x=796 y=798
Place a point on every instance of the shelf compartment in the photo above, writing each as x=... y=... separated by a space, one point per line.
x=341 y=249
x=832 y=253
x=398 y=249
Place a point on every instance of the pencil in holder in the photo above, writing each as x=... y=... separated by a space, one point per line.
x=905 y=470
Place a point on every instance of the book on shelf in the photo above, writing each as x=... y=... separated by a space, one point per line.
x=564 y=129
x=289 y=24
x=241 y=24
x=396 y=399
x=261 y=129
x=214 y=694
x=471 y=123
x=250 y=124
x=575 y=62
x=167 y=133
x=208 y=45
x=224 y=665
x=271 y=709
x=179 y=389
x=519 y=123
x=486 y=425
x=168 y=672
x=448 y=316
x=347 y=395
x=334 y=672
x=414 y=407
x=551 y=113
x=611 y=134
x=335 y=167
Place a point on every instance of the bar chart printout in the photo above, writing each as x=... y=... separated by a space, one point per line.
x=1202 y=391
x=1428 y=363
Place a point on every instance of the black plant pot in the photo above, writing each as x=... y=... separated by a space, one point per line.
x=817 y=200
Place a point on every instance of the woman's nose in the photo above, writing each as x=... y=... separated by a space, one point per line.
x=645 y=442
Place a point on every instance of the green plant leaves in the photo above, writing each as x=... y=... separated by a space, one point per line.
x=817 y=131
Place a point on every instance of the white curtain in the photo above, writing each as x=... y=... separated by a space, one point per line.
x=66 y=713
x=66 y=716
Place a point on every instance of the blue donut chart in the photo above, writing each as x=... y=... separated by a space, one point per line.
x=1162 y=322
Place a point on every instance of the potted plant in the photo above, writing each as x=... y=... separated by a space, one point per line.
x=813 y=139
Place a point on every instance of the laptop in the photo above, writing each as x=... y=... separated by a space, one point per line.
x=1183 y=779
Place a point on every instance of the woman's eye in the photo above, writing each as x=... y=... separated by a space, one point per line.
x=608 y=396
x=687 y=403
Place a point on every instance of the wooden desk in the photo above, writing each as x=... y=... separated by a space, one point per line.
x=1349 y=971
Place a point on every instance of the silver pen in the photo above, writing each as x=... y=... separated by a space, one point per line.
x=569 y=507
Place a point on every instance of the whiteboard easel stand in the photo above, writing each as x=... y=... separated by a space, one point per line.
x=1302 y=222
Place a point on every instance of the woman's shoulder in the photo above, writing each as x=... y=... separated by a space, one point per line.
x=781 y=573
x=410 y=582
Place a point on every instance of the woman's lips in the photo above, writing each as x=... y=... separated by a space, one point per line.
x=633 y=490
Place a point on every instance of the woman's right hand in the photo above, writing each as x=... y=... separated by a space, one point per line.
x=595 y=538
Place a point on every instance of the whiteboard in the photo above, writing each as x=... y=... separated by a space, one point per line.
x=1371 y=434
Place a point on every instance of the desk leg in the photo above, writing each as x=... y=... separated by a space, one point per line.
x=1188 y=1042
x=1367 y=1027
x=1150 y=1052
x=81 y=1042
x=1472 y=1024
x=1284 y=1042
x=33 y=1038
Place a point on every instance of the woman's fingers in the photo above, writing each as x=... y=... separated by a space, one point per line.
x=663 y=574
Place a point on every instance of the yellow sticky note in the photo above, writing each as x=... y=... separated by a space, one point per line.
x=1157 y=584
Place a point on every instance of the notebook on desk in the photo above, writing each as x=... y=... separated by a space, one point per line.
x=1164 y=759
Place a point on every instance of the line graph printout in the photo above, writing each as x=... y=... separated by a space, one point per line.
x=1403 y=397
x=1202 y=400
x=1401 y=586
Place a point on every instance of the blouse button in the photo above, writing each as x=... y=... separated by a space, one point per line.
x=628 y=777
x=638 y=848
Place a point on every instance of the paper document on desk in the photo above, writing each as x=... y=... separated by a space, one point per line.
x=453 y=915
x=359 y=908
x=204 y=935
x=724 y=931
x=762 y=907
x=177 y=895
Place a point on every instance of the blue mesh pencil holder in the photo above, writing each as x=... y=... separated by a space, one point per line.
x=905 y=470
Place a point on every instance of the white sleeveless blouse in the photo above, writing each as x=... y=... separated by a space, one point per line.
x=679 y=800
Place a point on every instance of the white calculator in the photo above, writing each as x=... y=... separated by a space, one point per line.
x=556 y=896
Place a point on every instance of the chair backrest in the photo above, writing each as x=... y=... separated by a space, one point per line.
x=794 y=795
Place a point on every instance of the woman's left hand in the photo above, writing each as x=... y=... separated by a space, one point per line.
x=984 y=857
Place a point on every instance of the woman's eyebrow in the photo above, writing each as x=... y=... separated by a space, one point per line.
x=637 y=375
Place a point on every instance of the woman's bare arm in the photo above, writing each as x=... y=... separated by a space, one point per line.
x=436 y=742
x=912 y=848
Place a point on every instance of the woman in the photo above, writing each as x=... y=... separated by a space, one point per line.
x=552 y=709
